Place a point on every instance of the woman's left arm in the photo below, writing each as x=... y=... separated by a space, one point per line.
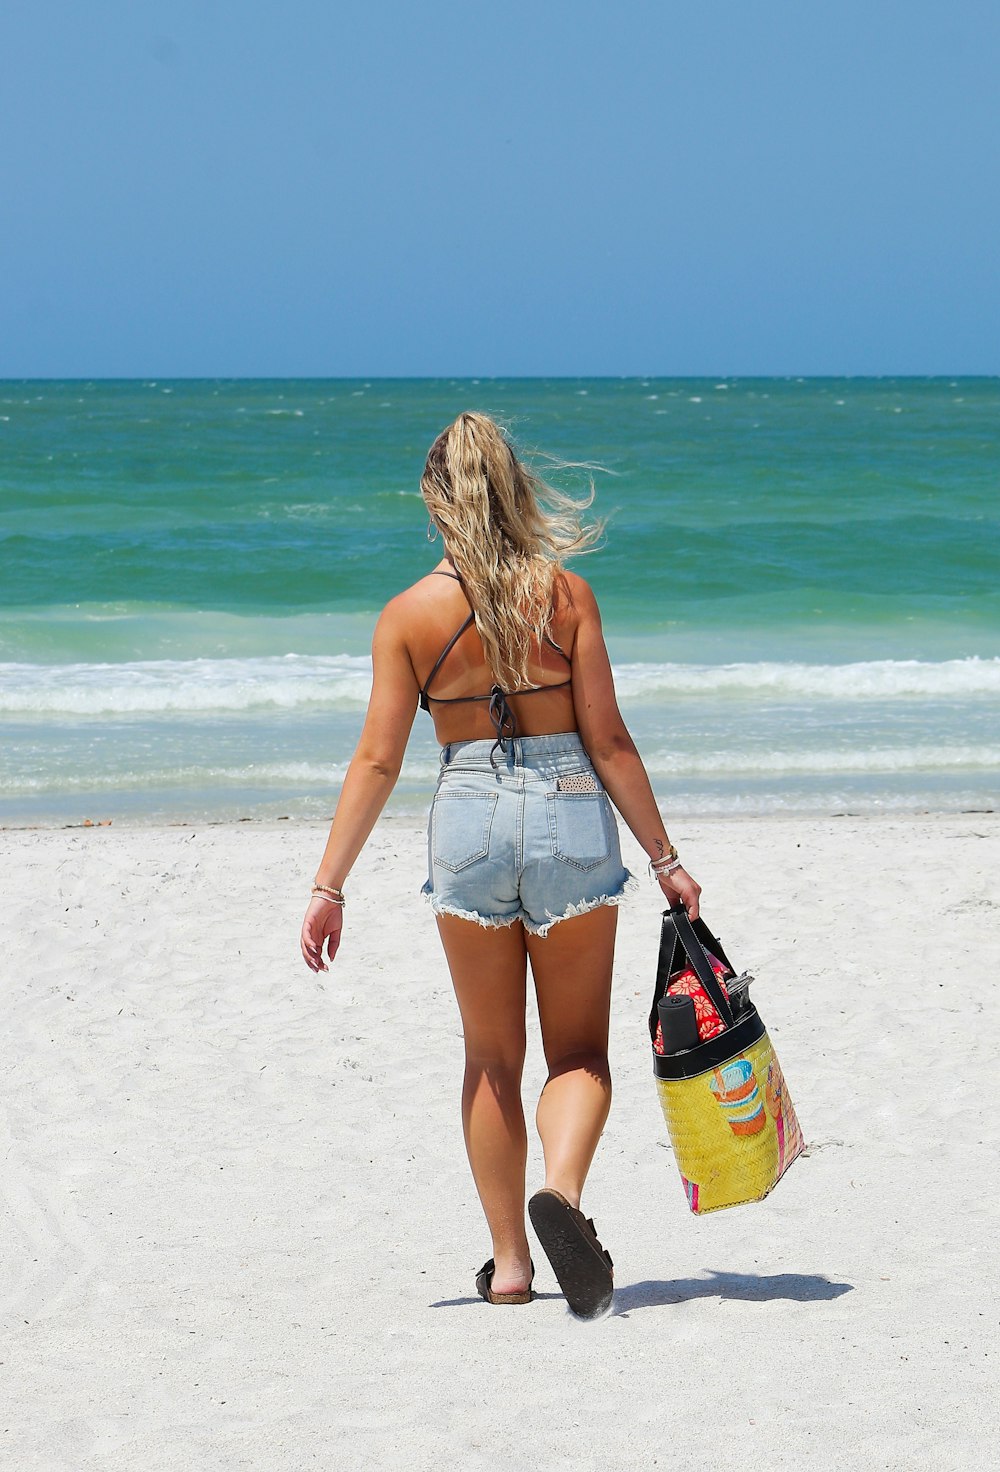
x=370 y=779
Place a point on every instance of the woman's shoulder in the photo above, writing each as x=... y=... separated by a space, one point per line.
x=427 y=593
x=572 y=582
x=572 y=595
x=574 y=608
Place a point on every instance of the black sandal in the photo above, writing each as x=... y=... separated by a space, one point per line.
x=583 y=1268
x=484 y=1281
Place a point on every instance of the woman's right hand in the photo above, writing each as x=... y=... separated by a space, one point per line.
x=679 y=887
x=322 y=925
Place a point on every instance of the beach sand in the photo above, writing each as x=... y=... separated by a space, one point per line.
x=239 y=1228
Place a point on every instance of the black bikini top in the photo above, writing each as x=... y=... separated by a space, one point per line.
x=501 y=716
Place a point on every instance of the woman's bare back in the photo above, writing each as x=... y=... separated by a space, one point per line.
x=435 y=609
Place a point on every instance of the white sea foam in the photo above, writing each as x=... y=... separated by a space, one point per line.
x=286 y=682
x=313 y=776
x=879 y=679
x=816 y=762
x=787 y=775
x=289 y=682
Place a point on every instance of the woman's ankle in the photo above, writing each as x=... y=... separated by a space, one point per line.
x=571 y=1190
x=512 y=1268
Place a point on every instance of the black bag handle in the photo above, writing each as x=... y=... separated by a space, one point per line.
x=693 y=939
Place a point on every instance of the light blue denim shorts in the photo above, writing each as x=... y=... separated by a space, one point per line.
x=528 y=835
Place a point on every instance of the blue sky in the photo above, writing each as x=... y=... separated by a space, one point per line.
x=325 y=187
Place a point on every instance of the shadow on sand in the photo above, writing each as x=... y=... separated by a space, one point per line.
x=752 y=1287
x=474 y=1298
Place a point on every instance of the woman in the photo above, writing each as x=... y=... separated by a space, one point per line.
x=504 y=648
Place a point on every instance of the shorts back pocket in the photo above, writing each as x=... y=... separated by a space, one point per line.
x=460 y=828
x=578 y=828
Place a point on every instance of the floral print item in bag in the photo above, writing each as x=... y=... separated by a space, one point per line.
x=686 y=983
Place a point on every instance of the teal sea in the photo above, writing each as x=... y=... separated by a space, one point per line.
x=800 y=581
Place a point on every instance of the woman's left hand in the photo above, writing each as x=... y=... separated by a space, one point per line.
x=323 y=924
x=679 y=886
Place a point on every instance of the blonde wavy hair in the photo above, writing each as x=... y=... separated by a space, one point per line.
x=507 y=533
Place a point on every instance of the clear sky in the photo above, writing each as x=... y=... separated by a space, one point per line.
x=367 y=187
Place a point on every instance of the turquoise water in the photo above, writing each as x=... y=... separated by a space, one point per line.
x=800 y=583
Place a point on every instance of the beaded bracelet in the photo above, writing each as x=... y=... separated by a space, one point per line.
x=332 y=896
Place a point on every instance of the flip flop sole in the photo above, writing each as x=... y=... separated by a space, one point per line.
x=581 y=1266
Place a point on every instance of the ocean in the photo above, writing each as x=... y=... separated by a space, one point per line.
x=800 y=582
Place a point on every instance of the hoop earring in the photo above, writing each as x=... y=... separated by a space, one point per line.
x=432 y=531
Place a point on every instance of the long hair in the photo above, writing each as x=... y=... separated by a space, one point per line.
x=506 y=532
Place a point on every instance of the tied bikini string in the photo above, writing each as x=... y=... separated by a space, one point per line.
x=503 y=722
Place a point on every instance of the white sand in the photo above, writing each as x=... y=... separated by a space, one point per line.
x=239 y=1229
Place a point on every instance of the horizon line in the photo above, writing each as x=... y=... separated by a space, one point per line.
x=156 y=378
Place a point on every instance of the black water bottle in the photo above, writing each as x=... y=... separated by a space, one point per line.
x=678 y=1024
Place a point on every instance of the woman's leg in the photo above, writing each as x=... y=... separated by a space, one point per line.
x=488 y=969
x=572 y=972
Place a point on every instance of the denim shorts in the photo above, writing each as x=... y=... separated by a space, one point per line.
x=522 y=833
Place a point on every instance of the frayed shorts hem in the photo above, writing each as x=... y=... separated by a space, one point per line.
x=533 y=927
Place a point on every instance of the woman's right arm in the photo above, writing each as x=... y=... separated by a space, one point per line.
x=370 y=778
x=611 y=748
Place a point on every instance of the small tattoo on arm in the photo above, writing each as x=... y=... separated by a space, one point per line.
x=659 y=847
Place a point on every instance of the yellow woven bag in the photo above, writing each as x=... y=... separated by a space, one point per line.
x=732 y=1125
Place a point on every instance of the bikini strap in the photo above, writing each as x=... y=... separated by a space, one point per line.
x=503 y=721
x=559 y=650
x=424 y=698
x=501 y=715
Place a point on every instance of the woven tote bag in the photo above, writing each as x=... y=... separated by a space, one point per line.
x=731 y=1122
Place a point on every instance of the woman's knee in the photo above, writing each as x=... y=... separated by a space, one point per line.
x=504 y=1063
x=591 y=1060
x=497 y=1080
